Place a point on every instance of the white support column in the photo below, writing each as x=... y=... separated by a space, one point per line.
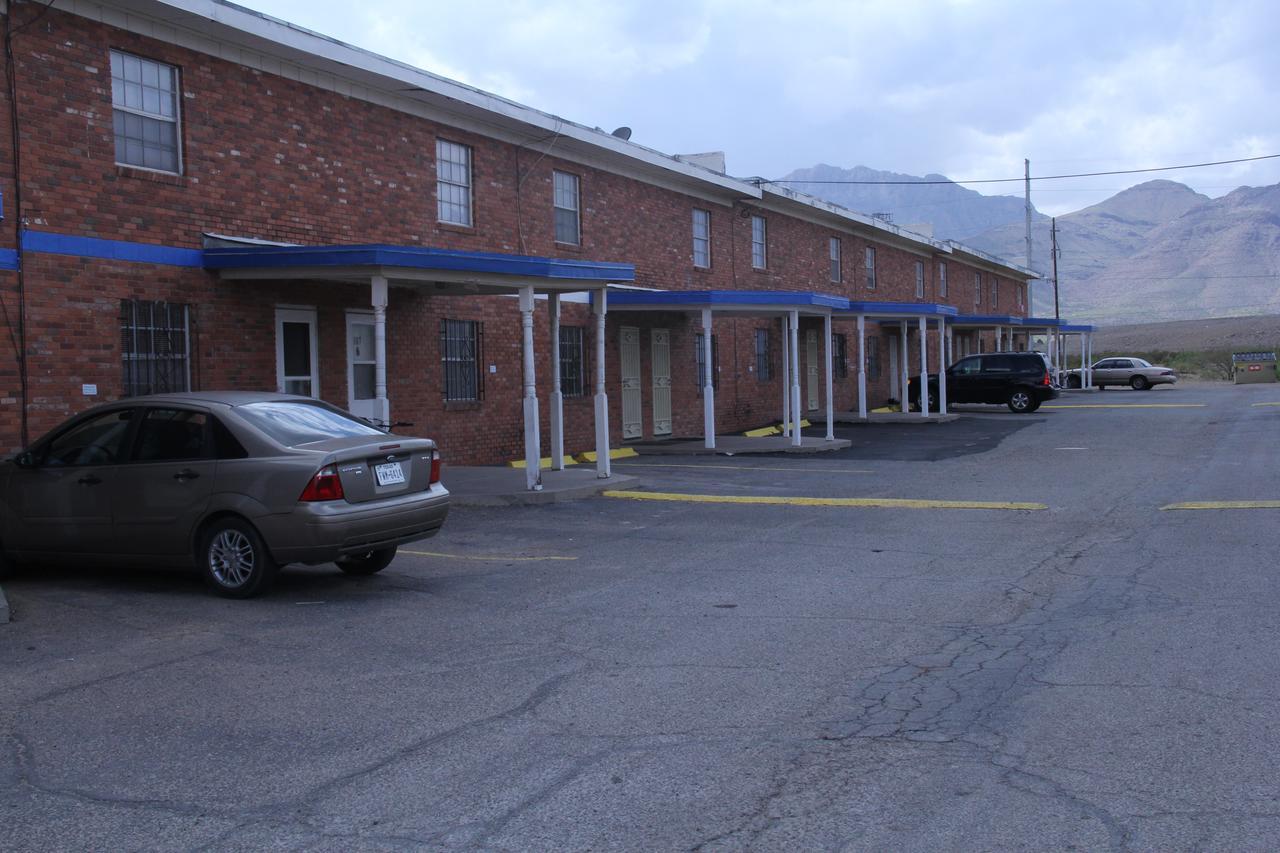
x=786 y=377
x=557 y=397
x=793 y=318
x=944 y=346
x=378 y=297
x=862 y=367
x=924 y=367
x=532 y=437
x=902 y=366
x=604 y=466
x=708 y=384
x=1089 y=366
x=831 y=404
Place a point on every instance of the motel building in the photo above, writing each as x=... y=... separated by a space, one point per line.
x=204 y=197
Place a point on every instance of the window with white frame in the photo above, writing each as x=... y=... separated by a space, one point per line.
x=701 y=238
x=759 y=254
x=565 y=202
x=977 y=288
x=461 y=353
x=154 y=347
x=764 y=356
x=919 y=279
x=833 y=251
x=573 y=361
x=942 y=279
x=1021 y=290
x=871 y=268
x=995 y=292
x=144 y=107
x=453 y=183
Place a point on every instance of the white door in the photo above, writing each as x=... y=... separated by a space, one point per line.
x=892 y=341
x=811 y=371
x=361 y=366
x=297 y=352
x=661 y=340
x=629 y=358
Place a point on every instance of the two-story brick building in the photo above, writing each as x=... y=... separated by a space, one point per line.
x=206 y=197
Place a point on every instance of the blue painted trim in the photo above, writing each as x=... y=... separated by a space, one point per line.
x=914 y=309
x=1076 y=328
x=8 y=259
x=413 y=257
x=989 y=320
x=116 y=250
x=1041 y=322
x=684 y=300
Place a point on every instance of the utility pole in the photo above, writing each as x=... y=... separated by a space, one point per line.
x=1053 y=243
x=1026 y=164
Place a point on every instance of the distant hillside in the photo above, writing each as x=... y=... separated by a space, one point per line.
x=1230 y=334
x=954 y=212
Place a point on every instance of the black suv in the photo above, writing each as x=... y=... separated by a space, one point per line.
x=1020 y=380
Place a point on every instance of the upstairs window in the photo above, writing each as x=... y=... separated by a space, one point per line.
x=573 y=362
x=942 y=279
x=871 y=268
x=995 y=293
x=453 y=183
x=977 y=288
x=461 y=353
x=833 y=251
x=144 y=105
x=702 y=238
x=919 y=279
x=759 y=255
x=568 y=223
x=154 y=347
x=764 y=356
x=1021 y=290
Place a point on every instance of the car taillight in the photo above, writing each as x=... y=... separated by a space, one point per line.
x=1046 y=380
x=435 y=466
x=324 y=486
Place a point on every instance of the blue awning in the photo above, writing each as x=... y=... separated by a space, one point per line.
x=758 y=301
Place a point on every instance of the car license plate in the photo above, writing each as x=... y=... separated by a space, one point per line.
x=389 y=473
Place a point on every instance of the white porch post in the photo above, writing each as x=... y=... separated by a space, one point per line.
x=1082 y=362
x=793 y=318
x=708 y=384
x=924 y=367
x=831 y=405
x=604 y=467
x=902 y=366
x=378 y=296
x=532 y=438
x=1089 y=365
x=862 y=367
x=786 y=376
x=944 y=346
x=557 y=398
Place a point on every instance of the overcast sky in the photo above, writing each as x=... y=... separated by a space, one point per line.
x=965 y=88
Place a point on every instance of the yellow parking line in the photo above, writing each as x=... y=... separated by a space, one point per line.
x=898 y=503
x=490 y=558
x=1125 y=406
x=1224 y=505
x=749 y=468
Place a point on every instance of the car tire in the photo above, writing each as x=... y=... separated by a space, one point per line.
x=6 y=566
x=234 y=560
x=1021 y=401
x=1139 y=383
x=366 y=564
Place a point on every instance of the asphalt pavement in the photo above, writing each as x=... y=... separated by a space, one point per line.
x=994 y=634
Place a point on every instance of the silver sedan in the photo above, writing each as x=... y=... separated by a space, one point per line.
x=1139 y=374
x=239 y=483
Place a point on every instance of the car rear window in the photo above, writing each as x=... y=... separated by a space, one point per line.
x=293 y=423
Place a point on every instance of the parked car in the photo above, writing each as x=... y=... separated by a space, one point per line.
x=1020 y=380
x=239 y=483
x=1139 y=374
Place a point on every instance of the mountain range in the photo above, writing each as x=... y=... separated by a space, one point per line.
x=1156 y=251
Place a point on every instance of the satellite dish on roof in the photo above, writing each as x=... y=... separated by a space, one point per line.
x=623 y=132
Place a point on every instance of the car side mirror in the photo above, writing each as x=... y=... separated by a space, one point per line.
x=26 y=459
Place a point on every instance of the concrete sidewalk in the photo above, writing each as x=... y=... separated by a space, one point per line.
x=501 y=485
x=737 y=445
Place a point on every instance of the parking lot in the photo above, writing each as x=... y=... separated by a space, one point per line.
x=1007 y=632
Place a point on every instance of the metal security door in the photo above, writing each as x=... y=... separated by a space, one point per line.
x=811 y=367
x=629 y=358
x=661 y=340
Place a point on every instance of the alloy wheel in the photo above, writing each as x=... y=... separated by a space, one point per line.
x=231 y=558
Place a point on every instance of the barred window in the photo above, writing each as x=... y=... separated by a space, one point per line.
x=871 y=268
x=461 y=352
x=701 y=238
x=833 y=251
x=573 y=362
x=840 y=355
x=701 y=347
x=942 y=278
x=759 y=250
x=155 y=347
x=919 y=279
x=873 y=358
x=565 y=204
x=764 y=356
x=144 y=111
x=453 y=182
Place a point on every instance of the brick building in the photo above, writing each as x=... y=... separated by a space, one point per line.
x=210 y=198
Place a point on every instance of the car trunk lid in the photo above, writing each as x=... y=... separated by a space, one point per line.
x=372 y=471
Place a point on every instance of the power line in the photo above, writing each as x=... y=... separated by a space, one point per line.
x=1033 y=177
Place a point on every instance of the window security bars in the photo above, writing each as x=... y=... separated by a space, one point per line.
x=461 y=352
x=701 y=346
x=840 y=355
x=144 y=107
x=873 y=358
x=155 y=347
x=764 y=360
x=573 y=362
